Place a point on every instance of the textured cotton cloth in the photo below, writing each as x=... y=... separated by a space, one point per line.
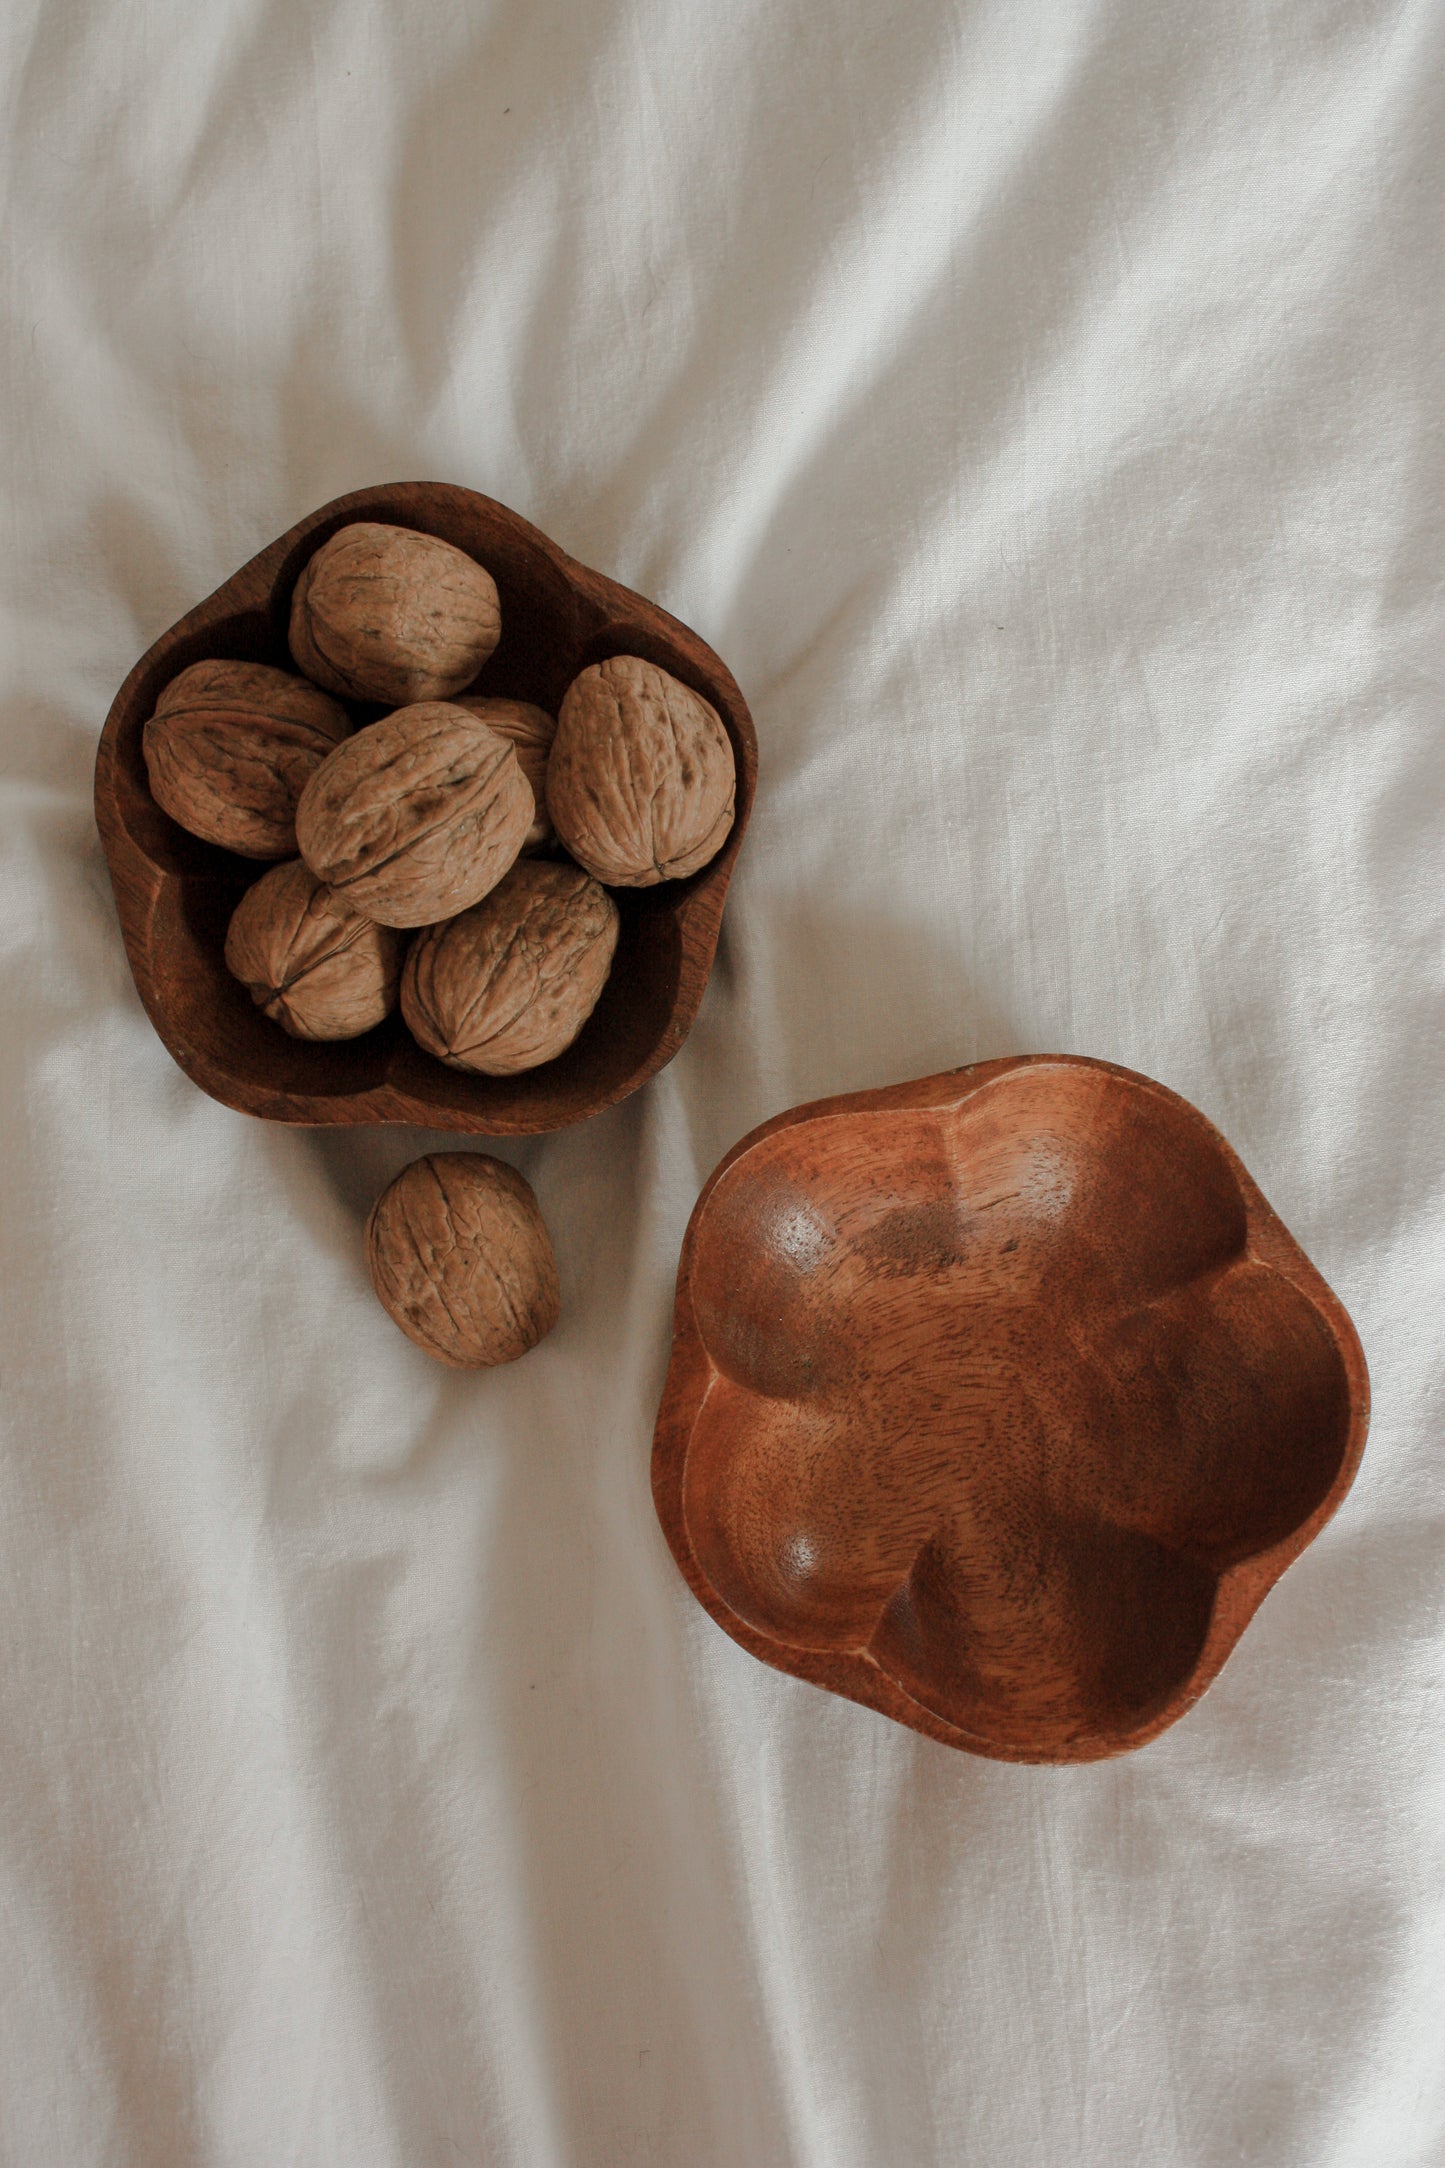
x=1037 y=404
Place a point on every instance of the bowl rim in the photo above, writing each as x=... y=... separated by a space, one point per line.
x=146 y=892
x=856 y=1675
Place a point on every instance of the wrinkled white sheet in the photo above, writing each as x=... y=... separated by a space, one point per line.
x=1038 y=404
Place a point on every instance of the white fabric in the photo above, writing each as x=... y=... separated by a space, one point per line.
x=1037 y=403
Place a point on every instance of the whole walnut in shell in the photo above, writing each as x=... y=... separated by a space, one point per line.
x=416 y=816
x=316 y=967
x=531 y=730
x=230 y=748
x=640 y=779
x=461 y=1260
x=384 y=613
x=510 y=983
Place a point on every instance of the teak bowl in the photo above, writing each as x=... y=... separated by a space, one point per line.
x=998 y=1401
x=175 y=894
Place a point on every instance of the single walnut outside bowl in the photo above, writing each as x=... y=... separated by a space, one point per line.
x=175 y=894
x=998 y=1401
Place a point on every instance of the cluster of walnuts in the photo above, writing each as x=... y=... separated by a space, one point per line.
x=419 y=858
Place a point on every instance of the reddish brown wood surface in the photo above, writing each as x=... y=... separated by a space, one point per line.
x=175 y=894
x=998 y=1401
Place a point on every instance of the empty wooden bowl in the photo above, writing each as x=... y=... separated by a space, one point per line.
x=998 y=1401
x=175 y=894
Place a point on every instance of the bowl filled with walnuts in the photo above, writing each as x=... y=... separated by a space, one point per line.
x=418 y=820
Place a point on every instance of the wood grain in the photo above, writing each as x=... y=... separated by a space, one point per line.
x=998 y=1401
x=175 y=894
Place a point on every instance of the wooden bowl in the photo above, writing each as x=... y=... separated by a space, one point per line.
x=175 y=894
x=998 y=1401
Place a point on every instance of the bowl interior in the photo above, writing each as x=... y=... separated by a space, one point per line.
x=994 y=1397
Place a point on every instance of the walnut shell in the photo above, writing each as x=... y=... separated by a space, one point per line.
x=316 y=967
x=384 y=613
x=510 y=983
x=230 y=748
x=416 y=816
x=640 y=779
x=460 y=1258
x=531 y=730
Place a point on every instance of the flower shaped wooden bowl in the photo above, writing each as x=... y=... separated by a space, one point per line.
x=998 y=1401
x=175 y=894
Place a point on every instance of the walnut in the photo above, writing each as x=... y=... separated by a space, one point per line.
x=315 y=966
x=510 y=983
x=230 y=748
x=531 y=730
x=416 y=816
x=640 y=779
x=384 y=613
x=460 y=1258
